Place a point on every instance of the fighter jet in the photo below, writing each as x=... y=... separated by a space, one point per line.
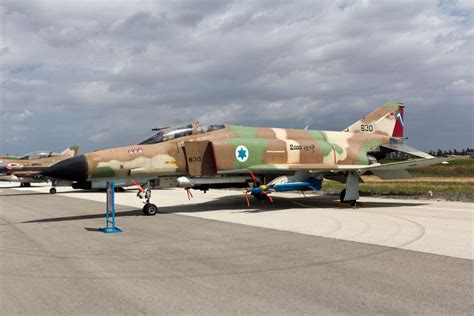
x=261 y=160
x=26 y=169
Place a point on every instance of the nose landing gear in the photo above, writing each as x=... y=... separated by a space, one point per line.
x=149 y=209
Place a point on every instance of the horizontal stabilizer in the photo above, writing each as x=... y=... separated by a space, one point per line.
x=408 y=150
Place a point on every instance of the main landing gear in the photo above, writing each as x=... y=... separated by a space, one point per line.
x=350 y=194
x=352 y=203
x=149 y=209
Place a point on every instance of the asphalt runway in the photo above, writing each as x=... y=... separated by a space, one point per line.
x=212 y=255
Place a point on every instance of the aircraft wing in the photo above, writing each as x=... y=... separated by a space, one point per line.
x=23 y=177
x=394 y=170
x=29 y=174
x=33 y=171
x=409 y=164
x=5 y=178
x=399 y=170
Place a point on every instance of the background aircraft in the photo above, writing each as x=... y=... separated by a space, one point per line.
x=26 y=169
x=263 y=160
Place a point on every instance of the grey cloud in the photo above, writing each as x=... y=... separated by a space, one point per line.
x=4 y=51
x=17 y=117
x=141 y=24
x=110 y=71
x=67 y=36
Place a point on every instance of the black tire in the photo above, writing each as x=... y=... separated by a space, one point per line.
x=52 y=191
x=150 y=209
x=342 y=196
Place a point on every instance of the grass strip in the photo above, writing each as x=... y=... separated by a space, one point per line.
x=454 y=191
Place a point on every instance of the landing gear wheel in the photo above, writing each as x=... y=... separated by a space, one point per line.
x=52 y=190
x=150 y=209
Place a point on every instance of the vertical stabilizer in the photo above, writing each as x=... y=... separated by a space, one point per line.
x=387 y=119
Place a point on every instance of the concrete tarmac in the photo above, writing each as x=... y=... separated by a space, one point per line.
x=55 y=261
x=439 y=227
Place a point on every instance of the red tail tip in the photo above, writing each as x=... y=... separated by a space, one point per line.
x=399 y=124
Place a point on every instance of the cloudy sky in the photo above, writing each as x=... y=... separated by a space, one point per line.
x=103 y=73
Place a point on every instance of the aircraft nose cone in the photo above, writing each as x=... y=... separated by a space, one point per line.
x=72 y=169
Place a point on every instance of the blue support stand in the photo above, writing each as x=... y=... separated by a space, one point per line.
x=110 y=212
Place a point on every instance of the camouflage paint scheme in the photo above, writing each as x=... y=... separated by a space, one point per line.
x=270 y=150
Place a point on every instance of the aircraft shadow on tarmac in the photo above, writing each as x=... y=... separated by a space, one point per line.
x=26 y=193
x=279 y=203
x=81 y=217
x=239 y=205
x=23 y=194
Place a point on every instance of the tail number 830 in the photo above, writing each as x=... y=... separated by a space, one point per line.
x=366 y=128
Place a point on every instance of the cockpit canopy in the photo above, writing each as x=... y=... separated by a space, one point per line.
x=39 y=155
x=169 y=133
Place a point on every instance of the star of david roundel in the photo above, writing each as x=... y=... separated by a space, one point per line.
x=241 y=153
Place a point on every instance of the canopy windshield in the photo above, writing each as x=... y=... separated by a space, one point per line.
x=169 y=133
x=39 y=155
